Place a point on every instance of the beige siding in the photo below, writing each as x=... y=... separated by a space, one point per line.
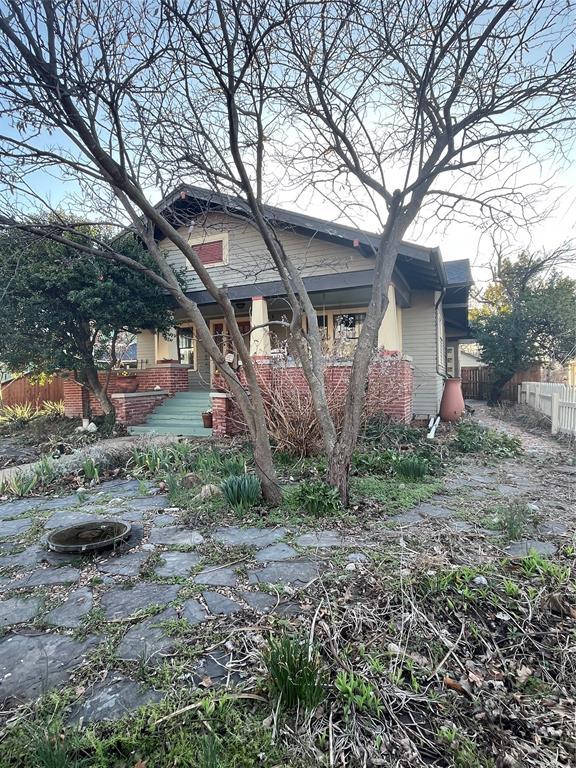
x=249 y=262
x=420 y=342
x=146 y=349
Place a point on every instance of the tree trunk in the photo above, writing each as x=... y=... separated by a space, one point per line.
x=99 y=390
x=495 y=394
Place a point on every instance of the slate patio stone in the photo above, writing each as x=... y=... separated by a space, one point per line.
x=176 y=535
x=193 y=611
x=522 y=548
x=128 y=564
x=47 y=577
x=357 y=557
x=251 y=537
x=118 y=603
x=111 y=701
x=71 y=613
x=15 y=508
x=461 y=526
x=30 y=665
x=259 y=601
x=219 y=604
x=27 y=558
x=19 y=611
x=10 y=528
x=146 y=503
x=321 y=539
x=215 y=667
x=552 y=528
x=216 y=577
x=292 y=572
x=276 y=552
x=177 y=564
x=147 y=639
x=432 y=510
x=70 y=517
x=509 y=490
x=163 y=520
x=405 y=518
x=122 y=487
x=64 y=502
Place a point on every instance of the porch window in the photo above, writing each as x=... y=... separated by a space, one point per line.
x=187 y=347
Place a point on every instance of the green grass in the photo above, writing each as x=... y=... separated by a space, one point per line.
x=396 y=495
x=296 y=677
x=237 y=738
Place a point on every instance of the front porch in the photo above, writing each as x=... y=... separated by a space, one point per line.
x=265 y=322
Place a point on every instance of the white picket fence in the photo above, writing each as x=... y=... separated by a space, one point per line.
x=557 y=401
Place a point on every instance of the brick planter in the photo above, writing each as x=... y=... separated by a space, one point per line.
x=170 y=378
x=133 y=407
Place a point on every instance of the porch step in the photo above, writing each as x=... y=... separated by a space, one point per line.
x=185 y=431
x=178 y=415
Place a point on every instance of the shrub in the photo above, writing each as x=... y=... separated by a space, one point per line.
x=295 y=674
x=54 y=409
x=17 y=414
x=318 y=498
x=390 y=434
x=19 y=484
x=411 y=467
x=241 y=492
x=472 y=437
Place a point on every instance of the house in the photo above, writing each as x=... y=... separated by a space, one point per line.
x=426 y=318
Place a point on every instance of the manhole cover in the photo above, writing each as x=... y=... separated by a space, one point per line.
x=89 y=537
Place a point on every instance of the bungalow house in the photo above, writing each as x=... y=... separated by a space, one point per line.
x=426 y=317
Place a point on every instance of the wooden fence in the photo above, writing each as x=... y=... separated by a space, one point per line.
x=557 y=401
x=477 y=381
x=22 y=390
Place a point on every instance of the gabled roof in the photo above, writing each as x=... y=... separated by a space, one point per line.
x=418 y=264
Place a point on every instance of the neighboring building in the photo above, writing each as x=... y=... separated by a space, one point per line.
x=427 y=312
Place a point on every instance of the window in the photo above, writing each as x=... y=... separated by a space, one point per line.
x=187 y=347
x=212 y=250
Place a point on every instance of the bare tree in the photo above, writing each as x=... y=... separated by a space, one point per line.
x=414 y=104
x=425 y=106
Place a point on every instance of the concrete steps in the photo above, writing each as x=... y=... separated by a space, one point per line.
x=179 y=415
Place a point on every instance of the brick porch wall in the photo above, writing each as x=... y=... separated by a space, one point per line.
x=171 y=378
x=389 y=392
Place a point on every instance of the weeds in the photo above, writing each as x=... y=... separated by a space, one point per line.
x=513 y=519
x=318 y=498
x=357 y=693
x=534 y=565
x=296 y=676
x=90 y=470
x=472 y=437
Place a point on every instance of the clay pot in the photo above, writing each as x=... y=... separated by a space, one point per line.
x=452 y=404
x=126 y=384
x=207 y=420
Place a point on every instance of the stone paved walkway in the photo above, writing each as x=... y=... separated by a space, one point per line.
x=58 y=613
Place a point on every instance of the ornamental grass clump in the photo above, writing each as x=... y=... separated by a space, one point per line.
x=241 y=492
x=295 y=672
x=411 y=467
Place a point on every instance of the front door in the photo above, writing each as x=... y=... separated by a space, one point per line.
x=221 y=336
